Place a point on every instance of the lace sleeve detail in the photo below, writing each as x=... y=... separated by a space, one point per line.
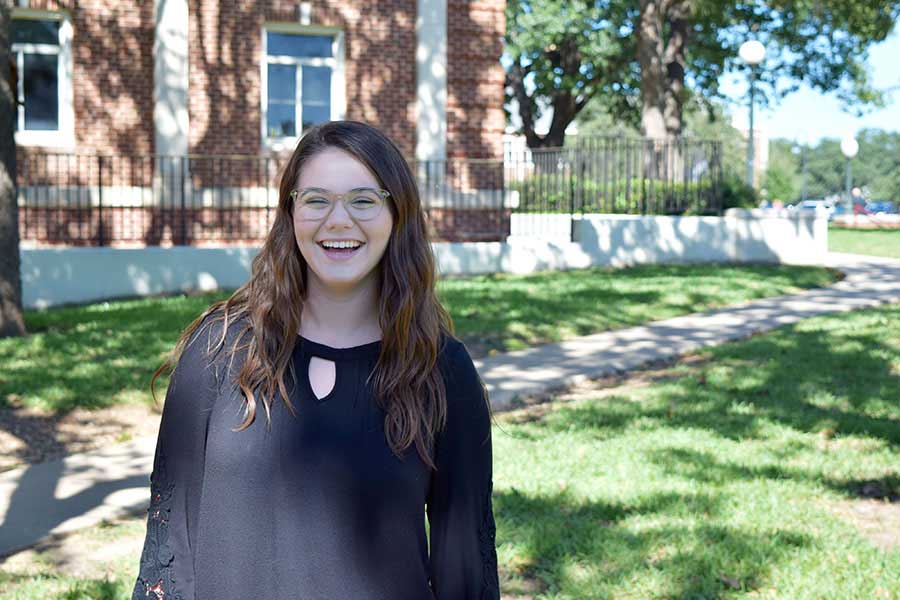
x=487 y=533
x=157 y=576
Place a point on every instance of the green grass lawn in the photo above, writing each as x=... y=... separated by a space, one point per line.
x=724 y=481
x=103 y=354
x=874 y=242
x=729 y=476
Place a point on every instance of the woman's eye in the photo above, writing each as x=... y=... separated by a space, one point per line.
x=363 y=201
x=316 y=200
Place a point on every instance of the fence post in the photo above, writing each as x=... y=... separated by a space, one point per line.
x=571 y=194
x=582 y=168
x=183 y=183
x=100 y=240
x=268 y=190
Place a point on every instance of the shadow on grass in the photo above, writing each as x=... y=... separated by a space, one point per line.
x=706 y=468
x=810 y=380
x=93 y=356
x=88 y=357
x=536 y=309
x=555 y=534
x=886 y=489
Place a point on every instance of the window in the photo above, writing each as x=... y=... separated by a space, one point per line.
x=41 y=49
x=302 y=81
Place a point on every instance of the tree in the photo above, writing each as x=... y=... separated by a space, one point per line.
x=662 y=44
x=876 y=169
x=563 y=54
x=780 y=184
x=648 y=59
x=11 y=320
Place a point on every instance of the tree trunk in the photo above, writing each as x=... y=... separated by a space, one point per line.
x=515 y=79
x=678 y=15
x=650 y=58
x=11 y=320
x=564 y=104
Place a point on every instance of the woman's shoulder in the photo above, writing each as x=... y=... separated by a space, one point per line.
x=450 y=349
x=456 y=361
x=210 y=343
x=467 y=393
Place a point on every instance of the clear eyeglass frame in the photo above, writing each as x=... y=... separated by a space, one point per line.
x=310 y=210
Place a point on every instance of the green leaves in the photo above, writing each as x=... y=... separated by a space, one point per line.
x=876 y=169
x=571 y=52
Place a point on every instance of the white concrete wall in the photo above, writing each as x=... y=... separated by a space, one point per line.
x=61 y=276
x=52 y=277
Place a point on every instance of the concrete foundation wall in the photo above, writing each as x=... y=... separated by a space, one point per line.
x=58 y=276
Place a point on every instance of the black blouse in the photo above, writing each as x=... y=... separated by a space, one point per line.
x=316 y=507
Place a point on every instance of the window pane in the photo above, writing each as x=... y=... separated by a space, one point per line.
x=283 y=83
x=32 y=31
x=41 y=92
x=316 y=86
x=280 y=120
x=286 y=44
x=313 y=115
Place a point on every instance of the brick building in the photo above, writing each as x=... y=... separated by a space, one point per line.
x=130 y=80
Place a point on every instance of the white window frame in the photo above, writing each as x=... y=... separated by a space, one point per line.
x=336 y=62
x=64 y=137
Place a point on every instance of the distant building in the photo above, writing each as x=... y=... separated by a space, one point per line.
x=760 y=151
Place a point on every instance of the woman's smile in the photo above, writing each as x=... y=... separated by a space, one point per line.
x=340 y=253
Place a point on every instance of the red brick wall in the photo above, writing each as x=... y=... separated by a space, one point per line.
x=112 y=73
x=475 y=119
x=138 y=227
x=225 y=38
x=113 y=101
x=472 y=225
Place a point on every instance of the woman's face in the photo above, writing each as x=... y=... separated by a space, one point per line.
x=337 y=171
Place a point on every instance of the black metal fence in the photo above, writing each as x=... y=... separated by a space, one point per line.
x=78 y=200
x=619 y=176
x=133 y=201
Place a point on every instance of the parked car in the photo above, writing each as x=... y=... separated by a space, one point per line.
x=859 y=208
x=882 y=206
x=820 y=206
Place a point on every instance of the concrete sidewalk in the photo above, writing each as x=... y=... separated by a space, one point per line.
x=62 y=495
x=869 y=281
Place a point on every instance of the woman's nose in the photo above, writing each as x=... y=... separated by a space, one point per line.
x=339 y=215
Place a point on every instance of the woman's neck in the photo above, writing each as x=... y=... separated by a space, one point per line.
x=341 y=318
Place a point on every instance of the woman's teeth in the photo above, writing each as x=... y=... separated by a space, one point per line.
x=341 y=248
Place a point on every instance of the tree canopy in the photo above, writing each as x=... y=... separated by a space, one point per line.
x=641 y=58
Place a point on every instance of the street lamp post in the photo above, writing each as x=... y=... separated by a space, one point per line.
x=803 y=170
x=799 y=149
x=849 y=148
x=752 y=53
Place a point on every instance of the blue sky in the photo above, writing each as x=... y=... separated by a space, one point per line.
x=807 y=115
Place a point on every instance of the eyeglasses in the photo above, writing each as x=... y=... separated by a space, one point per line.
x=314 y=204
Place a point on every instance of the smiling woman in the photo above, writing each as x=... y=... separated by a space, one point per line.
x=324 y=220
x=374 y=414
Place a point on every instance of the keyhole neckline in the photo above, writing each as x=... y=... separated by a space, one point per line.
x=369 y=350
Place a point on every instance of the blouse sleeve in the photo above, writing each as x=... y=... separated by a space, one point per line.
x=462 y=549
x=167 y=566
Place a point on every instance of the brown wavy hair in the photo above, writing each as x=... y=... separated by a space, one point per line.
x=406 y=381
